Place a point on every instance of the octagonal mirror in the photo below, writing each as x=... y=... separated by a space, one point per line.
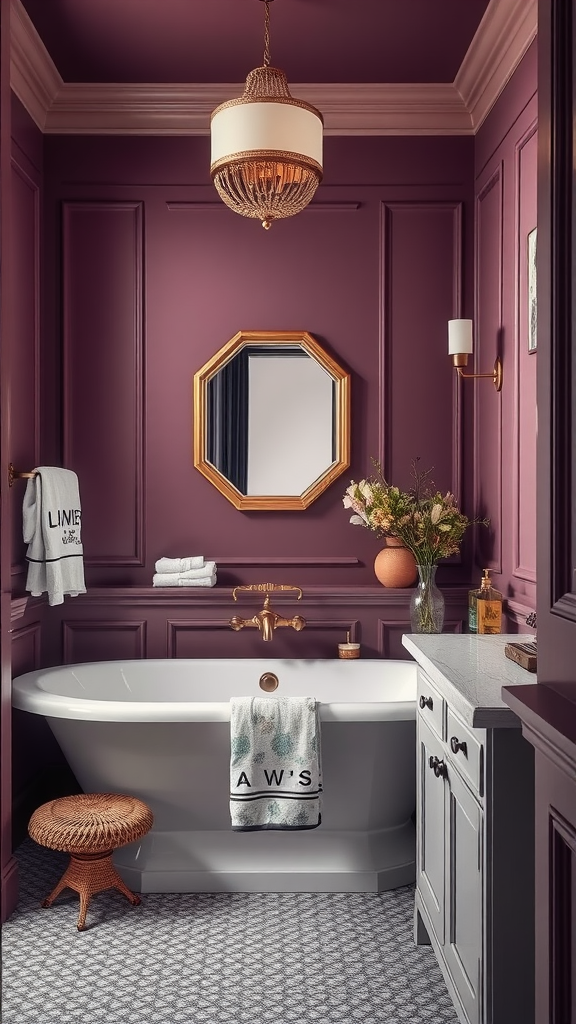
x=271 y=420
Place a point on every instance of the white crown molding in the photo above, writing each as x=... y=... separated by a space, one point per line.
x=60 y=107
x=504 y=34
x=143 y=109
x=389 y=109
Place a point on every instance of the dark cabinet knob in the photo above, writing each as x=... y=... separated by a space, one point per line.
x=456 y=745
x=426 y=702
x=438 y=767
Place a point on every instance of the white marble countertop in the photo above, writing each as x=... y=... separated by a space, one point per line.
x=470 y=671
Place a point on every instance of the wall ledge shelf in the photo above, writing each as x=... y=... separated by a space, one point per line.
x=313 y=595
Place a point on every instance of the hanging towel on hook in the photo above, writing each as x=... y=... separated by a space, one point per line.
x=51 y=517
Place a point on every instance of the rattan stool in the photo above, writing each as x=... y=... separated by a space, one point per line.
x=90 y=826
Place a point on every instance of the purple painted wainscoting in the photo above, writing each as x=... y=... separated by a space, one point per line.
x=133 y=622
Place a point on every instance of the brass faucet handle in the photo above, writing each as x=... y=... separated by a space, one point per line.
x=238 y=623
x=297 y=622
x=266 y=588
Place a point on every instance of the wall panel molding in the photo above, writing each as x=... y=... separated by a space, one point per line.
x=521 y=571
x=78 y=633
x=325 y=561
x=216 y=597
x=390 y=632
x=18 y=606
x=200 y=206
x=488 y=342
x=25 y=354
x=26 y=648
x=130 y=623
x=180 y=629
x=517 y=612
x=424 y=380
x=176 y=628
x=103 y=354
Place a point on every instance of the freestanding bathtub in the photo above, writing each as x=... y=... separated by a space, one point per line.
x=160 y=730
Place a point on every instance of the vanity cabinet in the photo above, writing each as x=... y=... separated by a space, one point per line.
x=474 y=849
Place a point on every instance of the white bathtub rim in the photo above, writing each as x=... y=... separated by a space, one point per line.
x=54 y=706
x=29 y=695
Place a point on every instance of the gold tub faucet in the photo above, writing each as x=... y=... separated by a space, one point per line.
x=267 y=620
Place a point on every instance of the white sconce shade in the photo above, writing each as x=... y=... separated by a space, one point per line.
x=459 y=337
x=460 y=347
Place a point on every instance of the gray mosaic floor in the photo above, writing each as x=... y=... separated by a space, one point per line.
x=223 y=958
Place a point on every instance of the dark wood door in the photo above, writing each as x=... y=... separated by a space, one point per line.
x=555 y=764
x=556 y=268
x=7 y=862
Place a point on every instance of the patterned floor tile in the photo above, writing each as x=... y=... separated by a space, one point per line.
x=215 y=958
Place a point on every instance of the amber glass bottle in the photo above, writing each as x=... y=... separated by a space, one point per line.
x=485 y=607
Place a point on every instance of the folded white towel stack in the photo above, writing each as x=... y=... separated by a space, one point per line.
x=51 y=525
x=177 y=581
x=179 y=564
x=184 y=572
x=275 y=767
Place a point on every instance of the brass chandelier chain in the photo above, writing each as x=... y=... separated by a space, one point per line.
x=266 y=33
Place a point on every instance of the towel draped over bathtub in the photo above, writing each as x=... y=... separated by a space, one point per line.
x=275 y=764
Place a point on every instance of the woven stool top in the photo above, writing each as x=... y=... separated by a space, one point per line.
x=90 y=822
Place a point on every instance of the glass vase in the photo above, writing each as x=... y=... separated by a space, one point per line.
x=427 y=603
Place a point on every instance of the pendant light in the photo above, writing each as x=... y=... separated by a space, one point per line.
x=266 y=146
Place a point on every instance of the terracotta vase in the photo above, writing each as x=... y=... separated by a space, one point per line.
x=395 y=565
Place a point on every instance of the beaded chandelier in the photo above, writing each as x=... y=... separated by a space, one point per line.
x=266 y=146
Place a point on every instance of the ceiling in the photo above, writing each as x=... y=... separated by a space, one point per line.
x=160 y=67
x=202 y=41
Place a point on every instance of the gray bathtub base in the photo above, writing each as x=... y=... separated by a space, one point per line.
x=226 y=861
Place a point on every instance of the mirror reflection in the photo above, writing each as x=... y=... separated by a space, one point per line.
x=271 y=420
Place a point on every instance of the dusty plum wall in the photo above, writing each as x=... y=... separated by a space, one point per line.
x=129 y=273
x=145 y=274
x=153 y=275
x=505 y=424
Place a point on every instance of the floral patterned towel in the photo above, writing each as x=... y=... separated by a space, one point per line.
x=275 y=771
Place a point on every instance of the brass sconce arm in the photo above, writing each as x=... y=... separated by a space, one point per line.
x=496 y=376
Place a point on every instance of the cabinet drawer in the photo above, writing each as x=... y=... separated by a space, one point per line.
x=466 y=751
x=431 y=704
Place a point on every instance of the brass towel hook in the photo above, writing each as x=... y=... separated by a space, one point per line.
x=15 y=474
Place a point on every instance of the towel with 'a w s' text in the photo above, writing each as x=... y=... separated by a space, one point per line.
x=275 y=765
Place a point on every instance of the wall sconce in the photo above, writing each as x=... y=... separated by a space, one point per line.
x=460 y=347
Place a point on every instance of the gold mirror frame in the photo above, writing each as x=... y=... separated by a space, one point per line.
x=280 y=502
